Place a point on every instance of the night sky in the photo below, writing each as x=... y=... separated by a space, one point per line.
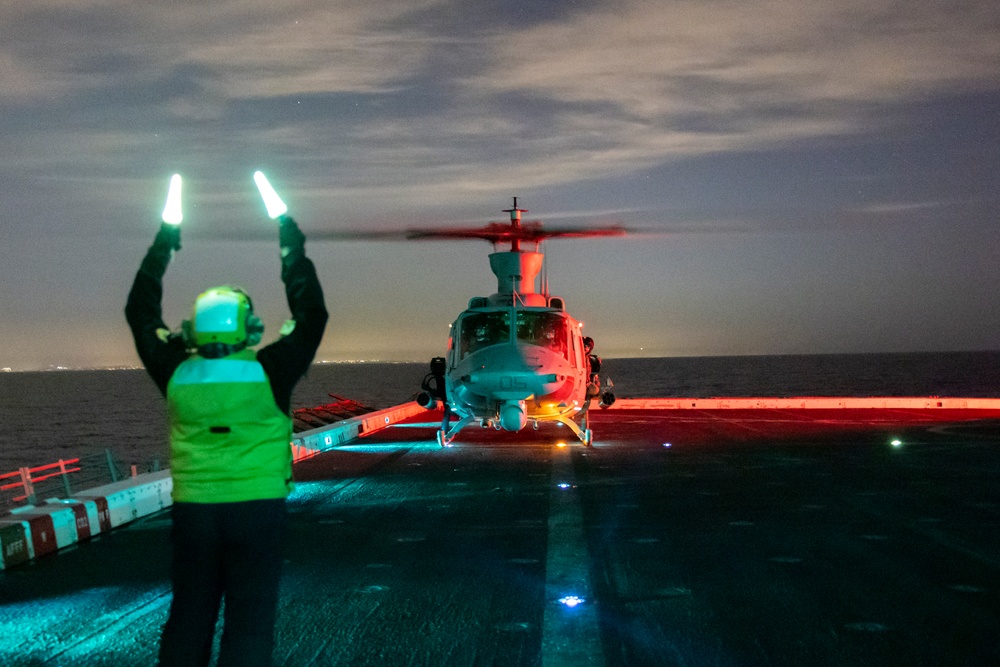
x=809 y=177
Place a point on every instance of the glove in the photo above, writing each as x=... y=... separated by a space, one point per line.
x=168 y=237
x=290 y=237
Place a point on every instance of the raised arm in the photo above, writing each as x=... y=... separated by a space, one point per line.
x=159 y=350
x=288 y=358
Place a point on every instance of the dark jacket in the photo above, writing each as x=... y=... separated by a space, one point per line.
x=285 y=360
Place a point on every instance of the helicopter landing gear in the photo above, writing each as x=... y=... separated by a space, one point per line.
x=447 y=433
x=585 y=435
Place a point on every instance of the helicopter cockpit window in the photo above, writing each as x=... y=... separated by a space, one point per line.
x=543 y=329
x=481 y=330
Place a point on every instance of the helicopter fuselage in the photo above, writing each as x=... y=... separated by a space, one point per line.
x=509 y=366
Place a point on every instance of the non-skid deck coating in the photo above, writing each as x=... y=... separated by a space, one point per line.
x=757 y=537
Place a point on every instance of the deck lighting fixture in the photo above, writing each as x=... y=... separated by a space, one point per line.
x=571 y=601
x=272 y=202
x=172 y=211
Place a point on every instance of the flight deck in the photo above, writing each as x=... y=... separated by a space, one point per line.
x=688 y=534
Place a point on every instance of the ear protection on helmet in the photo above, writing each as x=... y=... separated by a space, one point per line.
x=187 y=334
x=255 y=329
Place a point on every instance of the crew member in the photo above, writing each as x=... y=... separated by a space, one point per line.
x=230 y=428
x=593 y=368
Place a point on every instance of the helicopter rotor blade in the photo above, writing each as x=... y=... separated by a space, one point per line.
x=532 y=232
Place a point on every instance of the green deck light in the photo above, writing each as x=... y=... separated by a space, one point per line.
x=172 y=211
x=275 y=207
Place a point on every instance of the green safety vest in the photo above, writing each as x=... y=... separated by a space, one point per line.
x=229 y=441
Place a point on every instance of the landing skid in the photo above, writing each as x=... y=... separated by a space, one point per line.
x=585 y=434
x=449 y=430
x=446 y=435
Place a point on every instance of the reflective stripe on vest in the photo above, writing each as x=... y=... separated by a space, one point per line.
x=219 y=371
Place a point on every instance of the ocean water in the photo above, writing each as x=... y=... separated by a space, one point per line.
x=45 y=416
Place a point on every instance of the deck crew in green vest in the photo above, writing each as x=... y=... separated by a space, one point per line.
x=230 y=422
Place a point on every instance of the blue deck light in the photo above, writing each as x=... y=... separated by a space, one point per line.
x=571 y=601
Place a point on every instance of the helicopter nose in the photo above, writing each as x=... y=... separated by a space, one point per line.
x=510 y=385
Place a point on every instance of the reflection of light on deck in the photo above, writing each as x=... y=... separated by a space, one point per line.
x=387 y=448
x=21 y=623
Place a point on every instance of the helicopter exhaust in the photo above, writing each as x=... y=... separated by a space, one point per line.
x=425 y=400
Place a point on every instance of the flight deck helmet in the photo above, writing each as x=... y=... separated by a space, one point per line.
x=224 y=316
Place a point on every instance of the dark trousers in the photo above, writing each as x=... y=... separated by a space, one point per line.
x=231 y=550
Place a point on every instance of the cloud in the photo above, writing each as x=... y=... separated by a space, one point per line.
x=655 y=80
x=240 y=49
x=892 y=208
x=420 y=101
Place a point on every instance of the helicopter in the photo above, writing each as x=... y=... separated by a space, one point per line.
x=516 y=357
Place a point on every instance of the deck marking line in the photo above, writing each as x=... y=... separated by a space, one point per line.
x=570 y=635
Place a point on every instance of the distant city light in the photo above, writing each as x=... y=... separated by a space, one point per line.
x=667 y=444
x=571 y=601
x=275 y=207
x=560 y=444
x=172 y=211
x=563 y=485
x=896 y=443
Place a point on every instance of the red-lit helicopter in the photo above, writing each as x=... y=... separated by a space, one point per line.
x=515 y=357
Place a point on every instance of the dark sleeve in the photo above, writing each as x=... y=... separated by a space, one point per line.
x=288 y=358
x=159 y=351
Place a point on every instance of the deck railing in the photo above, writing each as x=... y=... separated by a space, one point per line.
x=58 y=479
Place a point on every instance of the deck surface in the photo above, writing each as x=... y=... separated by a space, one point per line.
x=757 y=537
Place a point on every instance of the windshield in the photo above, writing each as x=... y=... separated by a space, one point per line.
x=544 y=329
x=481 y=330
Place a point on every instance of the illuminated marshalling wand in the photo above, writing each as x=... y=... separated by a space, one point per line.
x=172 y=211
x=275 y=207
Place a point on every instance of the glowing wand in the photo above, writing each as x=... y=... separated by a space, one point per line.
x=172 y=211
x=275 y=207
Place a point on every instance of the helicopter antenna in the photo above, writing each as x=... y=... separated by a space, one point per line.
x=515 y=223
x=545 y=276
